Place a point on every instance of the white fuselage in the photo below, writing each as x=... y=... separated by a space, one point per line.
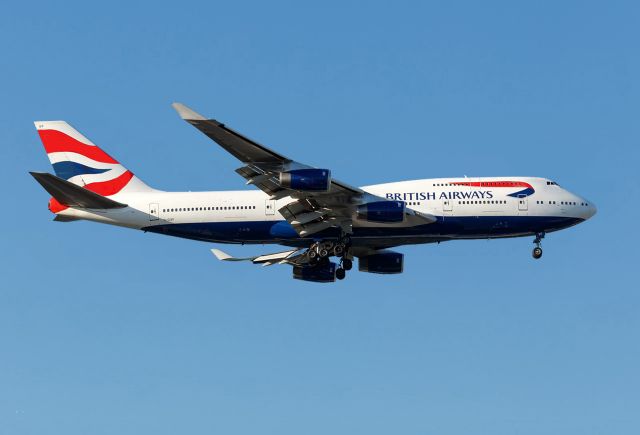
x=466 y=208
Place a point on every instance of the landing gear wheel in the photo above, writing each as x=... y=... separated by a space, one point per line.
x=312 y=255
x=340 y=273
x=537 y=252
x=347 y=264
x=323 y=253
x=338 y=250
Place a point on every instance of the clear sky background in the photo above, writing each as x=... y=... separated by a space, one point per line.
x=106 y=330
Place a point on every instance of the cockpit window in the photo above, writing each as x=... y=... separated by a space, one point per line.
x=552 y=183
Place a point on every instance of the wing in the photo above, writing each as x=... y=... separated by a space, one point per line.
x=286 y=257
x=308 y=211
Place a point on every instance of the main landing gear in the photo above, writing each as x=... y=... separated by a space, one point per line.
x=322 y=250
x=345 y=265
x=537 y=251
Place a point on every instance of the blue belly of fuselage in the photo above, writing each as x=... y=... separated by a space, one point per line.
x=446 y=228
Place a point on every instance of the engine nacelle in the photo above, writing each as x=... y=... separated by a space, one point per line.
x=384 y=262
x=381 y=211
x=321 y=273
x=308 y=180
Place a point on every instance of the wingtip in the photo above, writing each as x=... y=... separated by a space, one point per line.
x=220 y=255
x=186 y=113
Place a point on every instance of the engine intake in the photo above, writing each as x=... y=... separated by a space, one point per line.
x=384 y=262
x=381 y=211
x=320 y=273
x=308 y=180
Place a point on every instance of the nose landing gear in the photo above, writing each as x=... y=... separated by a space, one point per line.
x=537 y=251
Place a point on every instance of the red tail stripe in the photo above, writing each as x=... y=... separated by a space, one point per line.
x=111 y=187
x=55 y=141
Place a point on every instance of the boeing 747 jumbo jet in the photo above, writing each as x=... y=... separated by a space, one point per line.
x=303 y=208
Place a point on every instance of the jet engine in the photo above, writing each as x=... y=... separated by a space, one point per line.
x=308 y=180
x=323 y=272
x=387 y=262
x=381 y=211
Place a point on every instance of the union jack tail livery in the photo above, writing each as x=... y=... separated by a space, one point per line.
x=78 y=160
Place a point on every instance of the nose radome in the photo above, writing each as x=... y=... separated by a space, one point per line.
x=589 y=210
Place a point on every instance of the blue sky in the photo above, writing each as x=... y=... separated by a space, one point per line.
x=105 y=330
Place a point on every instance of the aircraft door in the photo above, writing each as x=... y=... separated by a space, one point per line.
x=270 y=207
x=154 y=212
x=523 y=203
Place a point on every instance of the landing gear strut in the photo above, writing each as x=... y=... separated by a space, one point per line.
x=537 y=251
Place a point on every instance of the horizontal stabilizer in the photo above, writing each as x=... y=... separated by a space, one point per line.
x=72 y=195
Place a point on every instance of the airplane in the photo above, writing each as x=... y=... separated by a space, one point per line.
x=315 y=216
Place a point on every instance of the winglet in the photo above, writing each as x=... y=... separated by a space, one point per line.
x=220 y=255
x=186 y=113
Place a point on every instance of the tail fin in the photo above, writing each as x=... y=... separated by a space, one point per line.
x=79 y=161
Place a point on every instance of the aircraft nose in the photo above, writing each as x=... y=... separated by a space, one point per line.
x=591 y=210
